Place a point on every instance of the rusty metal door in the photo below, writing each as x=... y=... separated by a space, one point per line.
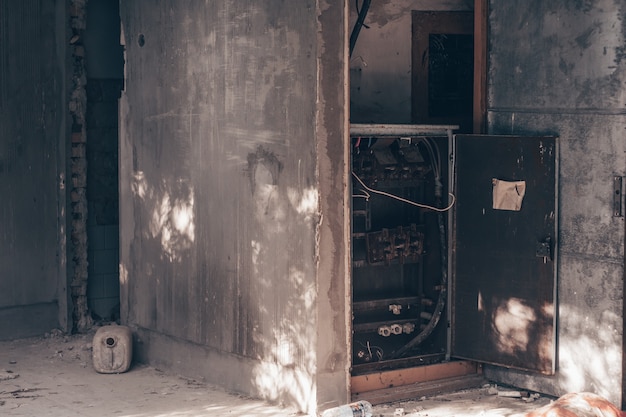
x=504 y=281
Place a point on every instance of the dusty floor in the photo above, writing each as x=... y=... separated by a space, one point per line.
x=54 y=376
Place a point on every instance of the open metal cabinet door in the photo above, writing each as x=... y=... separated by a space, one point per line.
x=503 y=285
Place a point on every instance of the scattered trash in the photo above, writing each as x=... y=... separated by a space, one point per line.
x=6 y=375
x=54 y=333
x=532 y=397
x=399 y=412
x=510 y=394
x=357 y=409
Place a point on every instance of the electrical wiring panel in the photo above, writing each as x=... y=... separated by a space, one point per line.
x=397 y=286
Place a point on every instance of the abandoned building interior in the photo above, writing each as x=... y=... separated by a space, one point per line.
x=320 y=201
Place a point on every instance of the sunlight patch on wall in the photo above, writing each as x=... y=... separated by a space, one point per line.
x=512 y=321
x=590 y=355
x=172 y=219
x=140 y=185
x=276 y=381
x=123 y=274
x=286 y=372
x=304 y=201
x=256 y=255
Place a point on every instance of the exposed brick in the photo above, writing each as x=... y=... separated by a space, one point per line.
x=78 y=166
x=78 y=150
x=78 y=22
x=79 y=290
x=78 y=137
x=79 y=181
x=79 y=208
x=79 y=50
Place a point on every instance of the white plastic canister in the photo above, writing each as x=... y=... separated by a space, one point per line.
x=112 y=349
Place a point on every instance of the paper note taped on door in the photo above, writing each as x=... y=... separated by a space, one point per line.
x=508 y=195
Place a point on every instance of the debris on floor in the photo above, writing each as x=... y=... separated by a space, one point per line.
x=6 y=375
x=490 y=400
x=40 y=376
x=512 y=393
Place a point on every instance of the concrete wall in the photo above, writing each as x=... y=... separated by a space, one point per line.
x=33 y=287
x=380 y=66
x=558 y=68
x=232 y=181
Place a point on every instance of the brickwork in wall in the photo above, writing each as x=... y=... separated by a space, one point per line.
x=78 y=169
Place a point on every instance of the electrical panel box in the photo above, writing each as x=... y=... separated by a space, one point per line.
x=400 y=205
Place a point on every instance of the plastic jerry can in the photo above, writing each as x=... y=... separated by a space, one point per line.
x=112 y=349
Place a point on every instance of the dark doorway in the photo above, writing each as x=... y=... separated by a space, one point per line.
x=105 y=72
x=443 y=68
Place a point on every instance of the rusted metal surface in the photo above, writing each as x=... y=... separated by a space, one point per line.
x=399 y=130
x=404 y=244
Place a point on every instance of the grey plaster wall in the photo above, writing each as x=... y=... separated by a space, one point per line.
x=32 y=168
x=380 y=66
x=232 y=188
x=558 y=68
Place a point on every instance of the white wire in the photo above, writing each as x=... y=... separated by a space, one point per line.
x=379 y=351
x=404 y=200
x=365 y=195
x=434 y=156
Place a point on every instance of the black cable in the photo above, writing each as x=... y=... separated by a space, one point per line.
x=441 y=302
x=359 y=23
x=358 y=12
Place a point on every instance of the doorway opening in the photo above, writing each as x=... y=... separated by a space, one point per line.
x=442 y=87
x=105 y=73
x=402 y=192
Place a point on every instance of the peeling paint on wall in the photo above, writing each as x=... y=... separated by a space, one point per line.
x=266 y=160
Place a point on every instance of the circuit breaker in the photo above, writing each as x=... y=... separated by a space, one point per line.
x=399 y=230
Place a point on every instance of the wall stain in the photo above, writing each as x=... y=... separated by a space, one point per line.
x=565 y=67
x=584 y=39
x=266 y=158
x=592 y=296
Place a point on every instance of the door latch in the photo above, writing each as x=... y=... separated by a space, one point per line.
x=544 y=249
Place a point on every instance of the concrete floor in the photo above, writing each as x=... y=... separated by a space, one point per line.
x=54 y=376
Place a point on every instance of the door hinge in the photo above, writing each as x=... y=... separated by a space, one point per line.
x=617 y=197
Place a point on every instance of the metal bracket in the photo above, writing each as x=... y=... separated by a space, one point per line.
x=543 y=249
x=617 y=196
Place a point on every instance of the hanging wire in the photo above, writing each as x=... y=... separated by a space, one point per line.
x=404 y=200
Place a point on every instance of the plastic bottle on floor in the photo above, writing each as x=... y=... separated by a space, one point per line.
x=357 y=409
